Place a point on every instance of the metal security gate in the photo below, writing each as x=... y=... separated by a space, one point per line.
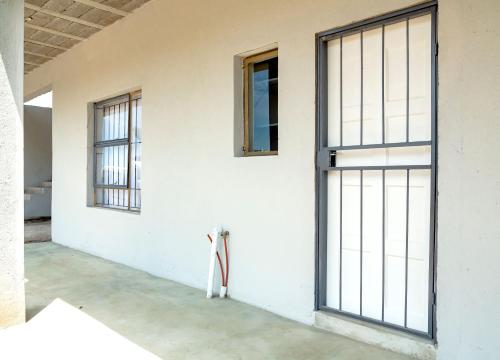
x=376 y=169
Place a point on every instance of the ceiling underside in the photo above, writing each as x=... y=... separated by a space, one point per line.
x=51 y=27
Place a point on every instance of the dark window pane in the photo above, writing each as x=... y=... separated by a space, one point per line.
x=264 y=106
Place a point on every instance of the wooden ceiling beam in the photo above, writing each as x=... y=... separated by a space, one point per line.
x=39 y=55
x=53 y=32
x=45 y=44
x=103 y=7
x=31 y=63
x=62 y=16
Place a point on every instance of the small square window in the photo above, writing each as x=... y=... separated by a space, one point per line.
x=261 y=104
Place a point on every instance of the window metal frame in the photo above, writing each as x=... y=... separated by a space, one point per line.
x=323 y=158
x=128 y=98
x=247 y=147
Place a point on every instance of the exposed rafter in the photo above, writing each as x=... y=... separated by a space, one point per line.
x=53 y=32
x=31 y=63
x=92 y=17
x=46 y=44
x=103 y=7
x=62 y=16
x=39 y=55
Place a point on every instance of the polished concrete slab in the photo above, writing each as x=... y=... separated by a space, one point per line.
x=175 y=321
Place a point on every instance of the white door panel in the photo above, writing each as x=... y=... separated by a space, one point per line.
x=379 y=214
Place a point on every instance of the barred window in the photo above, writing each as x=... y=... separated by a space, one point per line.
x=117 y=152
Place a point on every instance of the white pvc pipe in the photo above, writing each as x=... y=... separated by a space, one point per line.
x=213 y=259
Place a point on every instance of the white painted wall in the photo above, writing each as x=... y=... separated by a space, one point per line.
x=11 y=163
x=181 y=54
x=37 y=158
x=469 y=180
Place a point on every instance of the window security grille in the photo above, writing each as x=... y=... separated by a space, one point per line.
x=117 y=152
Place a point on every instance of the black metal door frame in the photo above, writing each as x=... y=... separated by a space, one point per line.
x=325 y=157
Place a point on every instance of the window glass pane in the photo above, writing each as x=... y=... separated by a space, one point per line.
x=111 y=120
x=263 y=103
x=136 y=106
x=111 y=165
x=112 y=123
x=113 y=198
x=135 y=155
x=135 y=158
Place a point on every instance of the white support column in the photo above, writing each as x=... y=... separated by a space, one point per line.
x=12 y=307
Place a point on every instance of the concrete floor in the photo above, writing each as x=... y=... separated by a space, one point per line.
x=171 y=320
x=36 y=231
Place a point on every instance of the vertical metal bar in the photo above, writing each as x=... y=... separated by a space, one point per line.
x=124 y=154
x=107 y=151
x=118 y=150
x=407 y=80
x=135 y=151
x=322 y=188
x=341 y=225
x=406 y=247
x=119 y=120
x=124 y=121
x=119 y=183
x=129 y=110
x=383 y=84
x=433 y=201
x=361 y=242
x=94 y=149
x=341 y=97
x=116 y=123
x=113 y=169
x=94 y=155
x=112 y=125
x=103 y=135
x=361 y=105
x=383 y=244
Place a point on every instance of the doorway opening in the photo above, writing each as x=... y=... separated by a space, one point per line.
x=38 y=168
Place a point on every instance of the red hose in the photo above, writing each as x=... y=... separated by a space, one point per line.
x=220 y=263
x=227 y=259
